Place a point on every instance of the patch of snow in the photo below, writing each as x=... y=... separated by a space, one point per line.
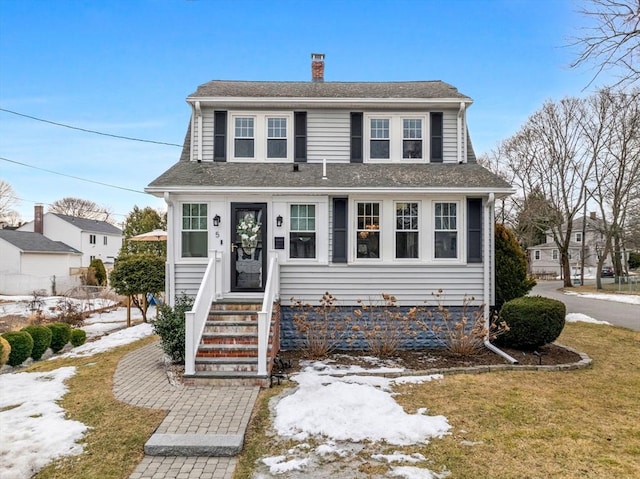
x=280 y=464
x=110 y=341
x=411 y=472
x=33 y=425
x=579 y=317
x=398 y=456
x=619 y=298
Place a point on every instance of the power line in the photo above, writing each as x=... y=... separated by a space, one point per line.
x=51 y=204
x=74 y=177
x=87 y=130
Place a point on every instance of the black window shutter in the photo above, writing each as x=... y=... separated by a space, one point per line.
x=220 y=136
x=300 y=134
x=356 y=137
x=474 y=230
x=436 y=137
x=340 y=230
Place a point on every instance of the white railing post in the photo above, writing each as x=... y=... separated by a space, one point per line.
x=264 y=316
x=197 y=317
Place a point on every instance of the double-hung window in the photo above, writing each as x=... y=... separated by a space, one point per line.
x=554 y=255
x=446 y=230
x=379 y=143
x=244 y=137
x=407 y=232
x=411 y=138
x=92 y=239
x=302 y=231
x=368 y=230
x=194 y=230
x=104 y=240
x=276 y=137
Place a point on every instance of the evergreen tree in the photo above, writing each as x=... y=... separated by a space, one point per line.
x=511 y=267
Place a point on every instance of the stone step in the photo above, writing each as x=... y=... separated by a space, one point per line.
x=236 y=306
x=246 y=316
x=225 y=364
x=194 y=445
x=230 y=338
x=226 y=378
x=222 y=326
x=227 y=350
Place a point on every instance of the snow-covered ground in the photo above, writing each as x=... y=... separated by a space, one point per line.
x=616 y=297
x=33 y=425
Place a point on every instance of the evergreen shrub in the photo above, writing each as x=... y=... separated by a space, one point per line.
x=78 y=337
x=41 y=340
x=533 y=321
x=512 y=280
x=5 y=350
x=21 y=346
x=170 y=326
x=61 y=335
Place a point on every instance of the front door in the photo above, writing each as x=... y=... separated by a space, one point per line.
x=248 y=252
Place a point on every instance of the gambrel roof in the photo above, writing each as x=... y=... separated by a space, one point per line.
x=30 y=242
x=277 y=89
x=340 y=176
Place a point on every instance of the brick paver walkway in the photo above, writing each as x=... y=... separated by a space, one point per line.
x=141 y=379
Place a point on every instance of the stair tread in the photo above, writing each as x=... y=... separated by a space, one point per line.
x=230 y=334
x=227 y=374
x=228 y=346
x=227 y=360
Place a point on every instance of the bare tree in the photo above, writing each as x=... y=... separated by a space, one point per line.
x=612 y=40
x=614 y=118
x=81 y=209
x=7 y=201
x=550 y=157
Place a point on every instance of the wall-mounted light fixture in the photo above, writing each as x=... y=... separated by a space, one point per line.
x=279 y=221
x=216 y=220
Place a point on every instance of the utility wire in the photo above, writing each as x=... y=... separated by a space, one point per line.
x=51 y=204
x=71 y=176
x=89 y=131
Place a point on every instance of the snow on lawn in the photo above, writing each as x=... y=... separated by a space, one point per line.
x=339 y=407
x=49 y=305
x=32 y=423
x=617 y=297
x=579 y=317
x=33 y=426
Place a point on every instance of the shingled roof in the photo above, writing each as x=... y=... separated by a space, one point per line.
x=30 y=242
x=272 y=89
x=94 y=226
x=340 y=176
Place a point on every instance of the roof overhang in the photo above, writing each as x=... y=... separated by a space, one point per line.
x=298 y=102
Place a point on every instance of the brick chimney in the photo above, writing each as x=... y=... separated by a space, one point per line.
x=592 y=214
x=317 y=67
x=38 y=221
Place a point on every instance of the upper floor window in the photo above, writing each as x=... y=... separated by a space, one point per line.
x=395 y=138
x=276 y=137
x=92 y=239
x=104 y=240
x=578 y=237
x=412 y=138
x=554 y=254
x=407 y=235
x=536 y=254
x=368 y=230
x=244 y=137
x=261 y=136
x=194 y=230
x=446 y=230
x=302 y=234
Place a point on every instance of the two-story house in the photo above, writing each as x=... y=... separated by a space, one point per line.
x=95 y=239
x=291 y=189
x=587 y=238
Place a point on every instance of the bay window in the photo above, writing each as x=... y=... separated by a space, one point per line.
x=194 y=230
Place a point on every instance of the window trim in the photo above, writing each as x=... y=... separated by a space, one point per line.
x=290 y=230
x=355 y=231
x=180 y=218
x=419 y=230
x=261 y=136
x=460 y=254
x=396 y=137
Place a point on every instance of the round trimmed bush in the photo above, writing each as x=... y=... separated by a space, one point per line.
x=5 y=350
x=21 y=346
x=533 y=322
x=61 y=335
x=41 y=340
x=78 y=337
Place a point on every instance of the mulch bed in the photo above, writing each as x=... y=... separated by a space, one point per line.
x=548 y=355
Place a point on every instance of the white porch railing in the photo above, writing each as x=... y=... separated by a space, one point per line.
x=264 y=316
x=196 y=318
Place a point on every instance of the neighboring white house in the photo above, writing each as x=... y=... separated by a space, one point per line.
x=354 y=188
x=545 y=257
x=30 y=261
x=95 y=239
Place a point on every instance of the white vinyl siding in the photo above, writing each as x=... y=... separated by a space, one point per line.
x=328 y=136
x=449 y=136
x=410 y=284
x=188 y=278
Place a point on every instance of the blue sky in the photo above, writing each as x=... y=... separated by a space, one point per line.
x=126 y=67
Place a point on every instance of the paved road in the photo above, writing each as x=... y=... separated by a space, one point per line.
x=619 y=314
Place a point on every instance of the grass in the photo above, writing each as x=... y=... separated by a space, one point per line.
x=570 y=424
x=114 y=443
